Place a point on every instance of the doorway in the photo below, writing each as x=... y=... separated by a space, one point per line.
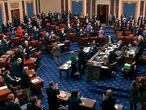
x=15 y=14
x=102 y=13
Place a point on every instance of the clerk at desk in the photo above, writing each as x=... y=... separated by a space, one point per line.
x=112 y=57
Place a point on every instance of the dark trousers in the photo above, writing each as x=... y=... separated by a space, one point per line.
x=74 y=69
x=81 y=67
x=133 y=106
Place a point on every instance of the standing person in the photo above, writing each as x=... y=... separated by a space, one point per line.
x=73 y=64
x=108 y=101
x=74 y=100
x=81 y=61
x=56 y=51
x=52 y=93
x=16 y=67
x=34 y=104
x=26 y=81
x=101 y=33
x=134 y=95
x=12 y=103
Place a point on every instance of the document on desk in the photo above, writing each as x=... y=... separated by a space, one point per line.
x=62 y=95
x=3 y=87
x=35 y=80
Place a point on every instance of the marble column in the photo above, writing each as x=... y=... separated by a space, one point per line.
x=141 y=8
x=112 y=7
x=88 y=7
x=144 y=11
x=119 y=8
x=138 y=9
x=70 y=5
x=62 y=6
x=34 y=7
x=21 y=11
x=3 y=13
x=66 y=5
x=93 y=7
x=84 y=7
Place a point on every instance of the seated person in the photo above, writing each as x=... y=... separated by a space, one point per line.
x=12 y=103
x=108 y=101
x=74 y=101
x=34 y=104
x=9 y=79
x=16 y=67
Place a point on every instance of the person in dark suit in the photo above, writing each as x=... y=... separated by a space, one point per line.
x=9 y=79
x=134 y=95
x=26 y=49
x=140 y=45
x=74 y=101
x=25 y=81
x=52 y=93
x=34 y=104
x=20 y=52
x=81 y=61
x=12 y=103
x=112 y=57
x=36 y=33
x=62 y=35
x=108 y=101
x=16 y=67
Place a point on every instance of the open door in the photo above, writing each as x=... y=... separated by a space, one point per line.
x=102 y=13
x=15 y=13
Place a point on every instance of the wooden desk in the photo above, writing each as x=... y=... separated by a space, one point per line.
x=65 y=67
x=4 y=91
x=31 y=73
x=86 y=103
x=3 y=62
x=95 y=65
x=63 y=97
x=15 y=40
x=37 y=83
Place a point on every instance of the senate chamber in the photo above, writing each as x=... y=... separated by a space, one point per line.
x=72 y=54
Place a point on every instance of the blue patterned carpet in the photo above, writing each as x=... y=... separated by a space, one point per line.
x=90 y=89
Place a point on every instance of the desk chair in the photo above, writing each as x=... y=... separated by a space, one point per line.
x=19 y=92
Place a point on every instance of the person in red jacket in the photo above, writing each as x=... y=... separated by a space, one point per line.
x=19 y=32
